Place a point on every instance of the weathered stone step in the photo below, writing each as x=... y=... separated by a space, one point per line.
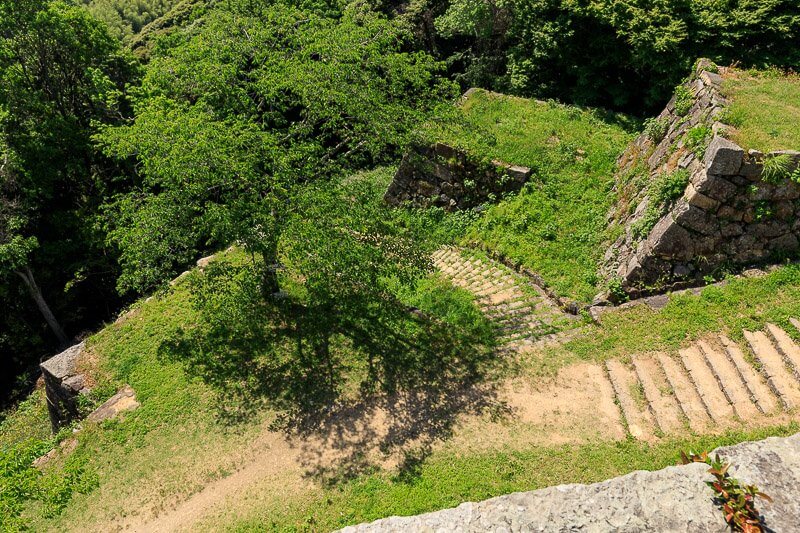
x=663 y=406
x=706 y=384
x=787 y=347
x=520 y=313
x=760 y=392
x=688 y=399
x=778 y=376
x=730 y=381
x=637 y=417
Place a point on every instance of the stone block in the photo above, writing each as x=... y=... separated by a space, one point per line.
x=723 y=157
x=731 y=230
x=122 y=401
x=713 y=186
x=784 y=243
x=728 y=212
x=670 y=240
x=63 y=382
x=695 y=219
x=427 y=189
x=768 y=229
x=700 y=200
x=446 y=151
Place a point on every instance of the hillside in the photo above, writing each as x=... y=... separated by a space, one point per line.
x=478 y=407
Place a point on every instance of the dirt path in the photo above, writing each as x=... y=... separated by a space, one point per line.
x=702 y=389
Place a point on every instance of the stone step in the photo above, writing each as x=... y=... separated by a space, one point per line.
x=661 y=400
x=778 y=376
x=762 y=394
x=787 y=347
x=687 y=396
x=637 y=417
x=707 y=386
x=730 y=381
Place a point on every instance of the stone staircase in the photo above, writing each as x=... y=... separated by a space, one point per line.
x=713 y=384
x=524 y=314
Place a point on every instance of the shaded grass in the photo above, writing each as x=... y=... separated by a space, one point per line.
x=556 y=224
x=765 y=110
x=449 y=479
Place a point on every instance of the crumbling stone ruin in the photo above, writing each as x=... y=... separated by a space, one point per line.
x=63 y=382
x=731 y=212
x=448 y=177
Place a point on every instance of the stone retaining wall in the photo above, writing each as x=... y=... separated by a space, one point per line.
x=63 y=382
x=674 y=499
x=728 y=216
x=447 y=177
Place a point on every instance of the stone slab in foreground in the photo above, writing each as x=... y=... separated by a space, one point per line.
x=673 y=499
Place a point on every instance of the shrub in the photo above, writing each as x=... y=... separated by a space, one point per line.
x=736 y=498
x=656 y=128
x=697 y=139
x=662 y=191
x=684 y=99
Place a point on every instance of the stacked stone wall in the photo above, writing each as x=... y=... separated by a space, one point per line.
x=63 y=382
x=447 y=177
x=730 y=215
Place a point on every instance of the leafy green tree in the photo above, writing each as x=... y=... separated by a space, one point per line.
x=126 y=18
x=235 y=120
x=61 y=73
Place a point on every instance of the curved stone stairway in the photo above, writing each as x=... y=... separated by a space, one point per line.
x=713 y=384
x=524 y=314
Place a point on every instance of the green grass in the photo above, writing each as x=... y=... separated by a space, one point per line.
x=556 y=225
x=765 y=110
x=176 y=443
x=450 y=479
x=744 y=303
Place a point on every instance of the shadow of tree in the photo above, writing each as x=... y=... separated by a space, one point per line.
x=355 y=388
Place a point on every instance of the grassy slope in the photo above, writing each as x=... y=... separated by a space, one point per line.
x=556 y=225
x=175 y=444
x=765 y=110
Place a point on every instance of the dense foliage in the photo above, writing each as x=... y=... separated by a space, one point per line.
x=626 y=54
x=126 y=18
x=61 y=75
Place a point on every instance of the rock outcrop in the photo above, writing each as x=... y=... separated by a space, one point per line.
x=448 y=177
x=673 y=499
x=730 y=213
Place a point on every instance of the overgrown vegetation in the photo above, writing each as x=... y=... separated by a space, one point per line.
x=662 y=191
x=539 y=48
x=555 y=225
x=269 y=124
x=126 y=18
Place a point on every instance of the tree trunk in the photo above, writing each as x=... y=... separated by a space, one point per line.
x=36 y=293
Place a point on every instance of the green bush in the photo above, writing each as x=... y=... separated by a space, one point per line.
x=656 y=128
x=697 y=139
x=683 y=100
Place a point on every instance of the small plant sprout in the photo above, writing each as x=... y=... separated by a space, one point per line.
x=736 y=498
